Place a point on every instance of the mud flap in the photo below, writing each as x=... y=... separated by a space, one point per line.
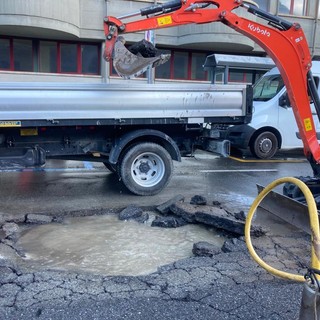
x=129 y=65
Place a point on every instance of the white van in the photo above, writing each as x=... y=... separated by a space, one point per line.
x=273 y=125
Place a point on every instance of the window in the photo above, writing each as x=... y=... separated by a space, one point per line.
x=188 y=65
x=294 y=7
x=22 y=55
x=263 y=4
x=89 y=59
x=235 y=75
x=163 y=71
x=68 y=58
x=183 y=65
x=267 y=88
x=4 y=54
x=49 y=56
x=197 y=62
x=180 y=65
x=217 y=75
x=240 y=75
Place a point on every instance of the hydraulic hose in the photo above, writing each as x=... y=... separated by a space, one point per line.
x=314 y=225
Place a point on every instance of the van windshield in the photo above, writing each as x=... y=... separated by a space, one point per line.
x=267 y=87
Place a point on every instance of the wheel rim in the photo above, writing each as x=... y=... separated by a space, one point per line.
x=265 y=145
x=147 y=169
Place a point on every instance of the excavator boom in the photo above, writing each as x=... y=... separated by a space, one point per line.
x=283 y=41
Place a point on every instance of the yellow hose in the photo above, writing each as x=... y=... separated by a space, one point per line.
x=314 y=224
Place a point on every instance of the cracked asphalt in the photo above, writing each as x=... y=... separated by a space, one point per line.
x=193 y=288
x=225 y=286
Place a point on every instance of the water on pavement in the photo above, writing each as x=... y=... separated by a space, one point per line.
x=106 y=245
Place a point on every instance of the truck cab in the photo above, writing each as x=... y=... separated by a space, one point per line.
x=273 y=124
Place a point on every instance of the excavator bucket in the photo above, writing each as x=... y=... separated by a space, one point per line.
x=129 y=65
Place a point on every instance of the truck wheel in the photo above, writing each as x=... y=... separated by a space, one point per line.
x=264 y=145
x=146 y=168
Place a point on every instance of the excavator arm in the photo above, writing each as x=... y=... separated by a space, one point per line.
x=283 y=41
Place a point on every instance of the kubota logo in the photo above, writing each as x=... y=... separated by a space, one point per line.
x=257 y=29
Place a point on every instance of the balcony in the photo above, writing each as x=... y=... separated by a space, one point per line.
x=45 y=18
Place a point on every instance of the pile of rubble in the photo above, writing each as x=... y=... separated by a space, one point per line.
x=177 y=213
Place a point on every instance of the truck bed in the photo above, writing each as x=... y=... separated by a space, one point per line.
x=23 y=103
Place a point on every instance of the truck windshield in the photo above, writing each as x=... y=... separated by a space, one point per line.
x=267 y=87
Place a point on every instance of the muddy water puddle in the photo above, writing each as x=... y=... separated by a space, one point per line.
x=106 y=245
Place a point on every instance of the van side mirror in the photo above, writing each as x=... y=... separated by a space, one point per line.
x=284 y=101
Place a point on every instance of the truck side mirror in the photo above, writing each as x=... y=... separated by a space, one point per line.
x=284 y=101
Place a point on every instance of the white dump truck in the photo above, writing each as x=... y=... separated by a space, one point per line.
x=136 y=130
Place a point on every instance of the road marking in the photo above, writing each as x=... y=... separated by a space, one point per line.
x=268 y=161
x=239 y=170
x=47 y=169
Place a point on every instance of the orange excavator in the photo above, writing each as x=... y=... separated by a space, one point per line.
x=284 y=41
x=286 y=44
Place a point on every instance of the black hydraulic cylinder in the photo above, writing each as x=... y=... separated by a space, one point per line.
x=274 y=20
x=162 y=8
x=313 y=92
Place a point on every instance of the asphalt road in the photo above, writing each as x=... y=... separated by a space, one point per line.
x=228 y=285
x=69 y=185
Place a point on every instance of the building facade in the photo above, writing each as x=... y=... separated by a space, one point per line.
x=58 y=40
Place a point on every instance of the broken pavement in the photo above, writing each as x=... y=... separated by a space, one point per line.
x=218 y=283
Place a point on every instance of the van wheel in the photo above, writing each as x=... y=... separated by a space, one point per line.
x=146 y=168
x=264 y=145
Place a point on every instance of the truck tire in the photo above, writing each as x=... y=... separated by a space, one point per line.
x=146 y=168
x=264 y=145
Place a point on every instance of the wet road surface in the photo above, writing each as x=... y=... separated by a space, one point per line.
x=227 y=286
x=63 y=186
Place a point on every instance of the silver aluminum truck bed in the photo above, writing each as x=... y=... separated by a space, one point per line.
x=136 y=130
x=50 y=101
